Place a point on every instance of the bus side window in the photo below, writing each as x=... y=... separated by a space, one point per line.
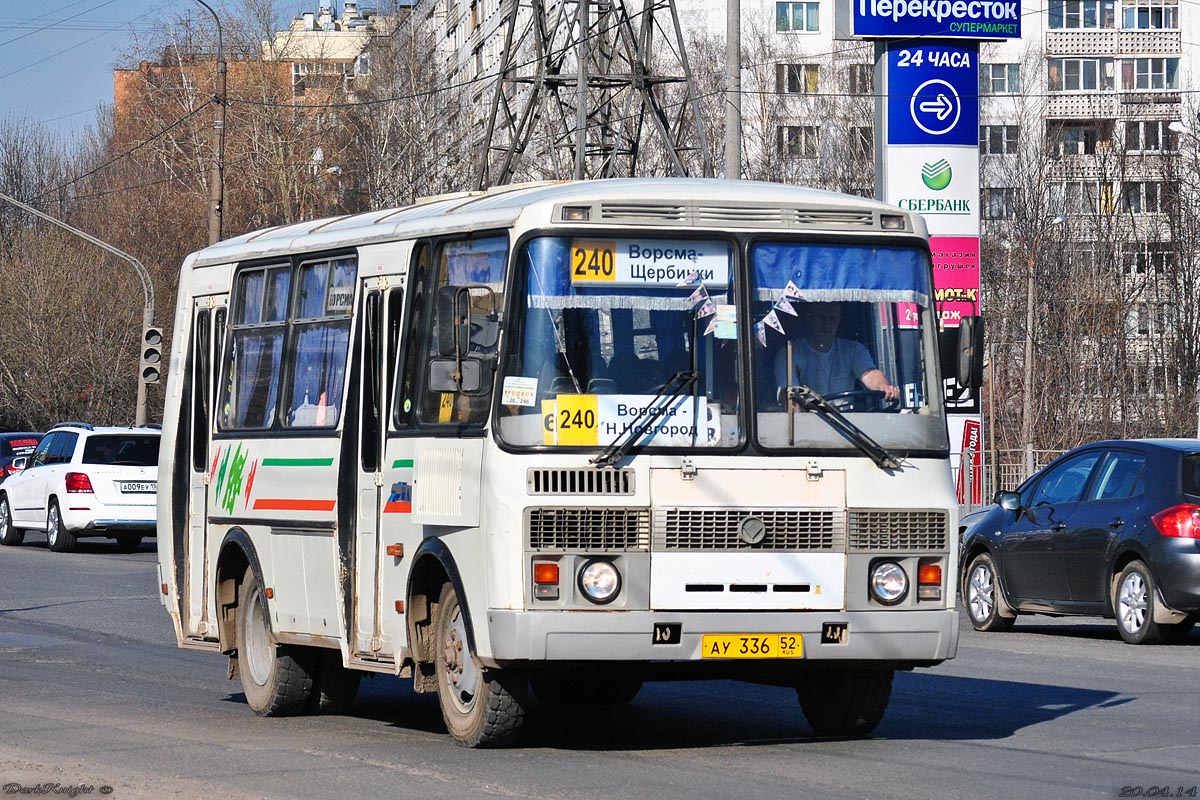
x=410 y=348
x=201 y=391
x=320 y=341
x=256 y=351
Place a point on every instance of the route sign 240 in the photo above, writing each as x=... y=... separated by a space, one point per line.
x=933 y=94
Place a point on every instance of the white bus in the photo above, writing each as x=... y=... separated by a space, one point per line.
x=551 y=441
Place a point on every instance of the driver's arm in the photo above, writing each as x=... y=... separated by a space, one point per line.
x=875 y=379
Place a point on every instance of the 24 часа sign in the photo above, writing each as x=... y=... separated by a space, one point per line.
x=944 y=19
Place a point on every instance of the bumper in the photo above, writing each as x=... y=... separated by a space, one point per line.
x=110 y=520
x=1178 y=576
x=885 y=636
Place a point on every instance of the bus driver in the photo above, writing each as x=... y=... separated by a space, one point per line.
x=828 y=364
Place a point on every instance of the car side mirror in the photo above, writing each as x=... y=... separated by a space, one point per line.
x=18 y=464
x=1009 y=501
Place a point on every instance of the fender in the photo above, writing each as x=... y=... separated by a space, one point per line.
x=436 y=549
x=235 y=539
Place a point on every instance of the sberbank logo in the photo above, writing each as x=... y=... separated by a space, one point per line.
x=937 y=175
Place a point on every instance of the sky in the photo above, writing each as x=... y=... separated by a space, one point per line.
x=57 y=56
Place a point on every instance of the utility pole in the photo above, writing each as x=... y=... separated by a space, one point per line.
x=147 y=294
x=216 y=187
x=733 y=89
x=576 y=96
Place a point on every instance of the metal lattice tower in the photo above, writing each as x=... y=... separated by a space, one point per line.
x=586 y=90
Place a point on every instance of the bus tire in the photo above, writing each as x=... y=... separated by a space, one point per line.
x=277 y=679
x=845 y=701
x=481 y=707
x=335 y=687
x=58 y=538
x=558 y=690
x=9 y=535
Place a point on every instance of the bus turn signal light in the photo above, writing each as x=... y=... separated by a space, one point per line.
x=545 y=580
x=395 y=550
x=929 y=582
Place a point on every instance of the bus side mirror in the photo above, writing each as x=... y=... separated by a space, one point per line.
x=444 y=375
x=453 y=315
x=969 y=362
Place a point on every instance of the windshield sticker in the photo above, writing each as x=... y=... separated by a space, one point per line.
x=339 y=299
x=589 y=420
x=625 y=262
x=519 y=391
x=723 y=325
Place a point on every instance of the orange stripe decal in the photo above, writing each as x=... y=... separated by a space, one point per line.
x=285 y=504
x=397 y=507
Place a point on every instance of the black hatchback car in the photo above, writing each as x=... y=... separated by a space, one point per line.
x=1108 y=529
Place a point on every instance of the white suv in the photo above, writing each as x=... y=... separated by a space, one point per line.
x=84 y=481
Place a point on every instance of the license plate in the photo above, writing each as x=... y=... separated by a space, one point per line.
x=139 y=487
x=752 y=645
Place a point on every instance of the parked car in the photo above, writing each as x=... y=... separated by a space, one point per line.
x=84 y=481
x=14 y=446
x=1109 y=529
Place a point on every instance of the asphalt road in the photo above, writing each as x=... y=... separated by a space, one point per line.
x=94 y=694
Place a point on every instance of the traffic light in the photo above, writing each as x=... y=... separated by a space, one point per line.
x=152 y=338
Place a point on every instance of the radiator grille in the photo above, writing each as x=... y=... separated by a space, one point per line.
x=591 y=529
x=717 y=529
x=897 y=530
x=590 y=481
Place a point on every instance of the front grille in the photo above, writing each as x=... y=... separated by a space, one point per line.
x=897 y=530
x=591 y=529
x=717 y=529
x=590 y=481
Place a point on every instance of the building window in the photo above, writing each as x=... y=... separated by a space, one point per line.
x=799 y=141
x=1147 y=197
x=796 y=78
x=999 y=203
x=1149 y=73
x=999 y=78
x=1070 y=14
x=803 y=16
x=862 y=142
x=862 y=79
x=998 y=140
x=1151 y=257
x=1078 y=138
x=1150 y=14
x=1082 y=197
x=1151 y=135
x=1080 y=74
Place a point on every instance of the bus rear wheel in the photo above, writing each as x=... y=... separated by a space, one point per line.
x=845 y=701
x=277 y=679
x=481 y=707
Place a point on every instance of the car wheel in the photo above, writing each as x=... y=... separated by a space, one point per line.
x=1133 y=603
x=58 y=537
x=127 y=544
x=277 y=679
x=8 y=534
x=981 y=593
x=481 y=707
x=335 y=687
x=846 y=701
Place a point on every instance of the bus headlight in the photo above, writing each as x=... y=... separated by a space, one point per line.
x=599 y=581
x=889 y=583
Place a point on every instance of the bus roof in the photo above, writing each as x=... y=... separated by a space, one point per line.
x=669 y=202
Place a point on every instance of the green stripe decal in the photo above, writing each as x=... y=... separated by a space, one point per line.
x=402 y=463
x=297 y=462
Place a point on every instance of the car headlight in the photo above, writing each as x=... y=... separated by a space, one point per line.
x=889 y=583
x=599 y=581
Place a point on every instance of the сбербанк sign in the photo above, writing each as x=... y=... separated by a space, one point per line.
x=968 y=19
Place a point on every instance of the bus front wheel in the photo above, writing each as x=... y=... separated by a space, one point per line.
x=277 y=679
x=481 y=707
x=845 y=701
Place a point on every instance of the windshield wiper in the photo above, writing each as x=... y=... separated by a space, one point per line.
x=613 y=454
x=813 y=401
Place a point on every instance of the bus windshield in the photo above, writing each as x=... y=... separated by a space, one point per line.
x=852 y=323
x=608 y=326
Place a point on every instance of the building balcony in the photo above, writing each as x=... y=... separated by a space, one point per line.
x=1099 y=43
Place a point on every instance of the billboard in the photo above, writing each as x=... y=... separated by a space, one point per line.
x=981 y=20
x=939 y=183
x=932 y=94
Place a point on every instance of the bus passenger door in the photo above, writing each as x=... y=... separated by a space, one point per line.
x=207 y=337
x=381 y=310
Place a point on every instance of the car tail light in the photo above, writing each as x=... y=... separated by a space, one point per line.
x=1181 y=521
x=78 y=482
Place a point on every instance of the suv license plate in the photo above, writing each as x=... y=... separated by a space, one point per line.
x=139 y=487
x=752 y=645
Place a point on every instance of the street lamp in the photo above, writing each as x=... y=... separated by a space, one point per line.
x=216 y=189
x=1030 y=287
x=148 y=329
